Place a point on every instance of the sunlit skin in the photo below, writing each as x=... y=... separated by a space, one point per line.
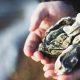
x=46 y=14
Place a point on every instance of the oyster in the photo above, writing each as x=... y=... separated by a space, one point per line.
x=62 y=42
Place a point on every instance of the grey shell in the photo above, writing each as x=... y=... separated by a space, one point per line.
x=58 y=38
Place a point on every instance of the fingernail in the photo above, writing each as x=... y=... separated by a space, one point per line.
x=35 y=59
x=59 y=78
x=31 y=28
x=44 y=68
x=28 y=52
x=48 y=66
x=38 y=55
x=46 y=75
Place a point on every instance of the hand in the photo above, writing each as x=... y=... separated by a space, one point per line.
x=49 y=72
x=46 y=14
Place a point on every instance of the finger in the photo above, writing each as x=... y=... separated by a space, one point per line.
x=38 y=55
x=35 y=59
x=48 y=67
x=37 y=17
x=31 y=44
x=40 y=32
x=45 y=61
x=50 y=73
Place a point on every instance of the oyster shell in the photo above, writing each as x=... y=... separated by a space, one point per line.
x=62 y=42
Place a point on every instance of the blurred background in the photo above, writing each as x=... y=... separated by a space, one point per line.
x=14 y=23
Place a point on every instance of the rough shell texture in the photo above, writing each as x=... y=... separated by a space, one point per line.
x=56 y=42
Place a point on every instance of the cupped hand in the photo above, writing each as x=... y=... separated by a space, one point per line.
x=46 y=14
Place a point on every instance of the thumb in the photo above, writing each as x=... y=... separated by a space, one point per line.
x=36 y=19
